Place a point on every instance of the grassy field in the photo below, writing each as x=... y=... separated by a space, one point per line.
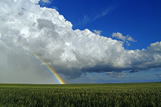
x=81 y=95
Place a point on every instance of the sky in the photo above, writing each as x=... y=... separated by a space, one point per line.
x=140 y=19
x=98 y=41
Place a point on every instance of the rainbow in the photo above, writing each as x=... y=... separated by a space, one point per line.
x=49 y=68
x=53 y=73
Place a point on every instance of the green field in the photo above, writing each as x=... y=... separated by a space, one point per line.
x=81 y=95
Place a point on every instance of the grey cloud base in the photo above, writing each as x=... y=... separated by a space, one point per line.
x=70 y=52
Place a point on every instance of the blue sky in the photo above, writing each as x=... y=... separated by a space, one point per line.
x=140 y=19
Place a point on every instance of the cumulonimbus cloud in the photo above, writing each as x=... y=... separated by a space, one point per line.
x=26 y=25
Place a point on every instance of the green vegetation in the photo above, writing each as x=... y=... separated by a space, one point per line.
x=81 y=95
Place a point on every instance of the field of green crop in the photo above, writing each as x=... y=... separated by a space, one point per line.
x=81 y=95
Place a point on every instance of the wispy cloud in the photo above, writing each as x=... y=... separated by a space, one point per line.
x=46 y=1
x=97 y=32
x=104 y=13
x=88 y=19
x=126 y=39
x=85 y=20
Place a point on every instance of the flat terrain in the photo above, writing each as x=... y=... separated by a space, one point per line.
x=81 y=95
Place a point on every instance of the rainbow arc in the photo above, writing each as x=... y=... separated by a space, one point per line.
x=49 y=68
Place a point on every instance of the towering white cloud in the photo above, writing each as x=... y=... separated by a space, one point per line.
x=25 y=25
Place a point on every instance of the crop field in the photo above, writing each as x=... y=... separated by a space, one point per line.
x=81 y=95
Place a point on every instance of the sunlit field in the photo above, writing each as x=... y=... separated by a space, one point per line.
x=81 y=95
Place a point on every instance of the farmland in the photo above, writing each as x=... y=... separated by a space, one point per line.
x=81 y=95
